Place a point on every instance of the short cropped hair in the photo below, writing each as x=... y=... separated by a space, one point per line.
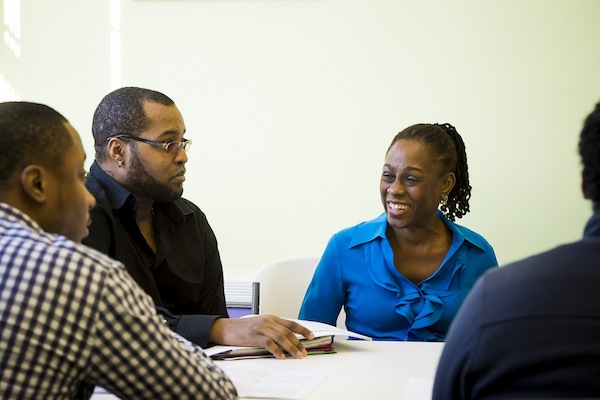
x=30 y=133
x=122 y=111
x=589 y=150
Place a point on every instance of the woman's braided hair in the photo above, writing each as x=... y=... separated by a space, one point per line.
x=445 y=143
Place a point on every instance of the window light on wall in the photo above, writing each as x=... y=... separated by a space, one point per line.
x=12 y=25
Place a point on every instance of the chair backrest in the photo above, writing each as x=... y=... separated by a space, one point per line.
x=280 y=285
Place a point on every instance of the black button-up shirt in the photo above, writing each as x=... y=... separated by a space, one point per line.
x=184 y=277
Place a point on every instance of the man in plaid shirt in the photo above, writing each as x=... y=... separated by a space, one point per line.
x=70 y=317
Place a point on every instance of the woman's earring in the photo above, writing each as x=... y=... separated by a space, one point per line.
x=444 y=199
x=120 y=163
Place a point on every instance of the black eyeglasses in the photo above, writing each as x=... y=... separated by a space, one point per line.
x=169 y=147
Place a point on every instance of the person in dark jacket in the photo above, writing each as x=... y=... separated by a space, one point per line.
x=531 y=329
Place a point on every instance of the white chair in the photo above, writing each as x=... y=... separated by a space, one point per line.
x=279 y=286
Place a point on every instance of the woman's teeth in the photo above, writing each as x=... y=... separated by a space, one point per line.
x=397 y=207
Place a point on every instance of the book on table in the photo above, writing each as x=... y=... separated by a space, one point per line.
x=322 y=343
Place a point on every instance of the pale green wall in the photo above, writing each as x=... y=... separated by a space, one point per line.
x=292 y=103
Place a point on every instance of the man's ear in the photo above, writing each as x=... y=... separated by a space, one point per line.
x=115 y=149
x=33 y=182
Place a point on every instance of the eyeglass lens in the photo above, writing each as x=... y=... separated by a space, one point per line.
x=175 y=147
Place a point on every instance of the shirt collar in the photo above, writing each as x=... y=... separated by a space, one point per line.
x=592 y=228
x=116 y=195
x=370 y=230
x=10 y=213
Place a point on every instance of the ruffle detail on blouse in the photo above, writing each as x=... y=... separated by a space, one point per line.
x=421 y=305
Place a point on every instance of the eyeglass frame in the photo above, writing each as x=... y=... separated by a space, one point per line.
x=184 y=144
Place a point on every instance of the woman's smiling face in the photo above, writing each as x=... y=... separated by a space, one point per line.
x=412 y=184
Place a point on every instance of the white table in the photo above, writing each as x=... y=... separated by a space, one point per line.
x=360 y=369
x=363 y=369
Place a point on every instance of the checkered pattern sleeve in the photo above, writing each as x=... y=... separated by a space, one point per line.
x=72 y=318
x=137 y=356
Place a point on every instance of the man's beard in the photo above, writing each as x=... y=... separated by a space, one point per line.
x=145 y=183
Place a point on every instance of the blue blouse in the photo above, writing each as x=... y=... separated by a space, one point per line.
x=357 y=272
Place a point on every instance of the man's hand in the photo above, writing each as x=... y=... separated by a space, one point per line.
x=268 y=331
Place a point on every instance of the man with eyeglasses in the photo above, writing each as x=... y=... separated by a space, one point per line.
x=164 y=240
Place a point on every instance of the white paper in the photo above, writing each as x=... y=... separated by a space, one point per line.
x=418 y=389
x=254 y=381
x=321 y=329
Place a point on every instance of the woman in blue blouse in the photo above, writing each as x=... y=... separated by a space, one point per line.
x=403 y=275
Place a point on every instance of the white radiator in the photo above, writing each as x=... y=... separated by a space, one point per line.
x=238 y=290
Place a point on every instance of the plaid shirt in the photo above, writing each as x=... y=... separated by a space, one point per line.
x=72 y=318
